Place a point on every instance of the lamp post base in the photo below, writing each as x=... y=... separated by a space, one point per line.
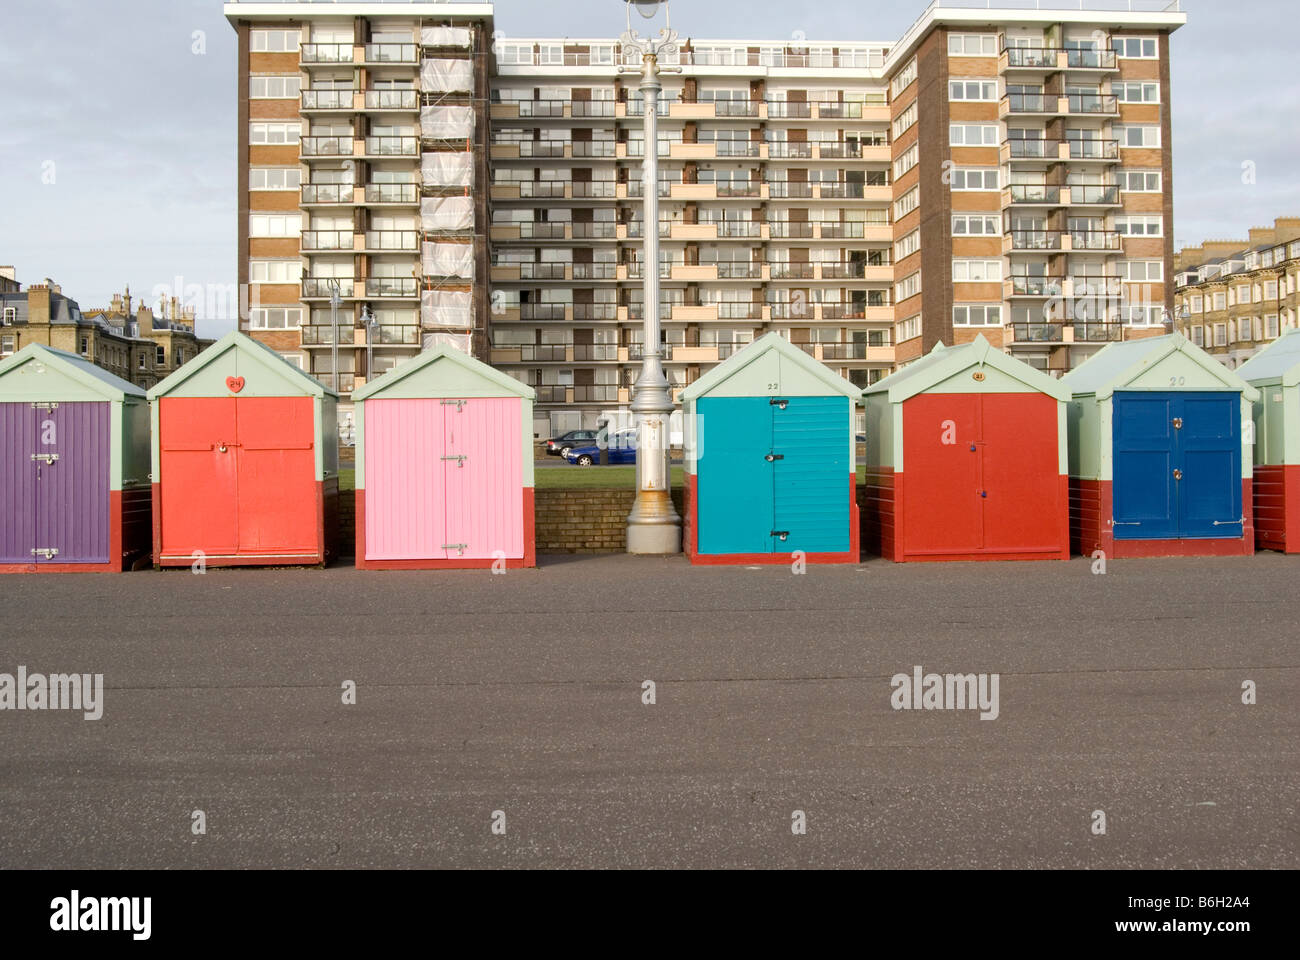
x=653 y=528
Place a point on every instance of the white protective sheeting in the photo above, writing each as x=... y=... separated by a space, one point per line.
x=447 y=76
x=460 y=341
x=447 y=169
x=449 y=260
x=446 y=308
x=445 y=36
x=447 y=213
x=447 y=123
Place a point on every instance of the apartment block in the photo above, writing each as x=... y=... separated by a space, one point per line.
x=996 y=171
x=1234 y=297
x=362 y=161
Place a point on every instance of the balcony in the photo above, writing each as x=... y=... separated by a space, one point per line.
x=405 y=193
x=594 y=311
x=636 y=188
x=1034 y=195
x=594 y=148
x=407 y=101
x=542 y=189
x=541 y=230
x=594 y=230
x=845 y=190
x=738 y=229
x=319 y=194
x=541 y=149
x=542 y=311
x=592 y=108
x=1104 y=240
x=787 y=110
x=326 y=53
x=1043 y=332
x=843 y=311
x=1028 y=149
x=326 y=146
x=594 y=352
x=790 y=150
x=593 y=189
x=595 y=271
x=382 y=53
x=1097 y=332
x=636 y=311
x=322 y=288
x=1031 y=240
x=735 y=108
x=407 y=241
x=843 y=229
x=790 y=230
x=737 y=188
x=392 y=146
x=739 y=270
x=1092 y=105
x=736 y=148
x=1052 y=59
x=327 y=240
x=1098 y=195
x=636 y=229
x=326 y=100
x=541 y=271
x=403 y=288
x=792 y=190
x=1033 y=286
x=793 y=271
x=739 y=311
x=1029 y=104
x=1094 y=149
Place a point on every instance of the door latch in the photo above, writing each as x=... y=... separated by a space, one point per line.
x=459 y=547
x=1178 y=474
x=774 y=457
x=1178 y=423
x=46 y=553
x=46 y=457
x=459 y=404
x=781 y=534
x=460 y=459
x=780 y=404
x=45 y=406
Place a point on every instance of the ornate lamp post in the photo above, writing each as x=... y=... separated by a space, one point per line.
x=653 y=527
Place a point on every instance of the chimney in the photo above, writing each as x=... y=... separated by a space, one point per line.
x=117 y=304
x=1285 y=229
x=38 y=303
x=144 y=316
x=1259 y=236
x=176 y=308
x=53 y=287
x=8 y=273
x=127 y=300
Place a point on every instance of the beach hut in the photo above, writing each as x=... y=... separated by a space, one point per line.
x=966 y=460
x=74 y=466
x=444 y=466
x=1275 y=373
x=245 y=461
x=770 y=469
x=1156 y=461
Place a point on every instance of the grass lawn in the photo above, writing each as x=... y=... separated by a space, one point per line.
x=347 y=478
x=592 y=478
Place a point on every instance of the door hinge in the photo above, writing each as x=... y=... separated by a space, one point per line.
x=1126 y=523
x=459 y=404
x=48 y=553
x=45 y=406
x=460 y=459
x=774 y=457
x=46 y=457
x=460 y=547
x=781 y=534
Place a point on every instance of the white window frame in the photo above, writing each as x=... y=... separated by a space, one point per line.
x=961 y=177
x=985 y=218
x=961 y=314
x=1124 y=225
x=1121 y=47
x=985 y=44
x=987 y=93
x=976 y=270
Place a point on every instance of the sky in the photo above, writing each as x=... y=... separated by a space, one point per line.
x=118 y=150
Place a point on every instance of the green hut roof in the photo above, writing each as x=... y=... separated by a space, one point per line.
x=94 y=378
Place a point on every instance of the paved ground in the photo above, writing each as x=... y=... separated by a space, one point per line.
x=1118 y=692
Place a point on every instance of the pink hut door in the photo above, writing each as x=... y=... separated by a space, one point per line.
x=485 y=518
x=405 y=485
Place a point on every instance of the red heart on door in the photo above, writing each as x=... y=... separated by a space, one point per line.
x=235 y=384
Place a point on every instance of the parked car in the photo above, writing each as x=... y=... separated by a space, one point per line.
x=622 y=449
x=560 y=446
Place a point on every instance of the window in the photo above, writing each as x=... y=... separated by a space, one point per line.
x=973 y=135
x=273 y=133
x=904 y=120
x=911 y=156
x=904 y=79
x=180 y=357
x=274 y=41
x=274 y=178
x=908 y=245
x=515 y=54
x=1140 y=226
x=1198 y=336
x=7 y=345
x=274 y=88
x=286 y=225
x=142 y=361
x=1195 y=304
x=85 y=346
x=1137 y=92
x=275 y=271
x=907 y=203
x=10 y=316
x=909 y=328
x=1271 y=329
x=980 y=91
x=1243 y=329
x=1220 y=334
x=908 y=287
x=1135 y=48
x=1270 y=290
x=275 y=318
x=975 y=225
x=550 y=54
x=1138 y=135
x=1142 y=271
x=977 y=315
x=1220 y=301
x=161 y=356
x=1139 y=181
x=972 y=45
x=976 y=271
x=975 y=178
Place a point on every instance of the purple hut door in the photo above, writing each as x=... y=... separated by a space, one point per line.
x=17 y=482
x=72 y=483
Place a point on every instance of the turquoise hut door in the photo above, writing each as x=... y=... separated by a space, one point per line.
x=773 y=475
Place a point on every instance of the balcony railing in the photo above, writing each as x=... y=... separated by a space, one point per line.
x=635 y=188
x=540 y=189
x=326 y=53
x=830 y=109
x=789 y=150
x=1092 y=103
x=849 y=270
x=1030 y=103
x=796 y=190
x=634 y=271
x=1032 y=57
x=541 y=271
x=391 y=193
x=843 y=229
x=594 y=230
x=326 y=193
x=1034 y=193
x=738 y=270
x=537 y=108
x=327 y=240
x=542 y=311
x=595 y=271
x=595 y=311
x=392 y=100
x=635 y=228
x=842 y=190
x=544 y=352
x=736 y=148
x=326 y=146
x=1041 y=332
x=594 y=148
x=844 y=311
x=739 y=311
x=1033 y=149
x=739 y=229
x=543 y=230
x=735 y=108
x=407 y=240
x=779 y=109
x=1094 y=194
x=738 y=188
x=1094 y=149
x=793 y=271
x=636 y=351
x=594 y=189
x=393 y=146
x=404 y=287
x=392 y=53
x=636 y=311
x=592 y=108
x=541 y=148
x=583 y=352
x=333 y=99
x=1027 y=286
x=595 y=393
x=1035 y=239
x=1094 y=240
x=324 y=287
x=1098 y=332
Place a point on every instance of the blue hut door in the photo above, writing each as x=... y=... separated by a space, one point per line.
x=1177 y=470
x=773 y=475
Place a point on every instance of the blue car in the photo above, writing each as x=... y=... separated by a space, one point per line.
x=622 y=449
